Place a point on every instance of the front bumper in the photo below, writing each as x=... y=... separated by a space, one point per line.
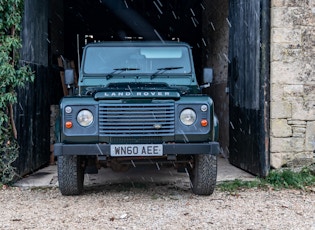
x=211 y=148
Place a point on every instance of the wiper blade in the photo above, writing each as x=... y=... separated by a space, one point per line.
x=162 y=70
x=119 y=70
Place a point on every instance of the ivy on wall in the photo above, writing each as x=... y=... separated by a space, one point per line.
x=12 y=76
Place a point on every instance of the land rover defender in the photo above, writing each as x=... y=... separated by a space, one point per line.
x=138 y=103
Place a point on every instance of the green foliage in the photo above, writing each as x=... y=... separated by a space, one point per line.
x=12 y=76
x=277 y=179
x=9 y=153
x=290 y=179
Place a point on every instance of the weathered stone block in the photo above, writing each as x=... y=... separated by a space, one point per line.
x=280 y=128
x=276 y=144
x=310 y=136
x=277 y=15
x=307 y=73
x=293 y=93
x=290 y=3
x=291 y=159
x=289 y=17
x=303 y=111
x=286 y=73
x=296 y=122
x=295 y=3
x=276 y=92
x=299 y=159
x=286 y=144
x=276 y=160
x=307 y=39
x=309 y=92
x=280 y=109
x=277 y=3
x=298 y=144
x=286 y=35
x=298 y=131
x=285 y=52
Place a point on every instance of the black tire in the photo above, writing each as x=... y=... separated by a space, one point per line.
x=203 y=174
x=70 y=175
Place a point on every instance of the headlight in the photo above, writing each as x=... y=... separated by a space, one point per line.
x=188 y=116
x=85 y=118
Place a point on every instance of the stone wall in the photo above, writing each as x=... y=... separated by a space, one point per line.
x=292 y=83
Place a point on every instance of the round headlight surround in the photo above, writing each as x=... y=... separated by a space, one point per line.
x=68 y=109
x=204 y=108
x=85 y=118
x=188 y=116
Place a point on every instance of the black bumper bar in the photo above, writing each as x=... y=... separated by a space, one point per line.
x=211 y=148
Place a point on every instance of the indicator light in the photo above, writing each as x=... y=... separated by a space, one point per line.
x=68 y=124
x=204 y=123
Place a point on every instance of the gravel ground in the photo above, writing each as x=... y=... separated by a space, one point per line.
x=155 y=206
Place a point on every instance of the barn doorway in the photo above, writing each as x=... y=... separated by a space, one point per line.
x=211 y=27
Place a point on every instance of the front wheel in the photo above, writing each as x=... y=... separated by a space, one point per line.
x=203 y=174
x=70 y=175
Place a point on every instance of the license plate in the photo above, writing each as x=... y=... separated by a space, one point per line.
x=136 y=150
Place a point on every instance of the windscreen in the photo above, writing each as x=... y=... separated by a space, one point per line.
x=137 y=60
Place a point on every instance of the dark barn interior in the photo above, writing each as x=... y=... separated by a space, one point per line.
x=62 y=27
x=131 y=20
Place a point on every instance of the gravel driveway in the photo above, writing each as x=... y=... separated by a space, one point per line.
x=155 y=206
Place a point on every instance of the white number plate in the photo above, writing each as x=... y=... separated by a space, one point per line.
x=136 y=150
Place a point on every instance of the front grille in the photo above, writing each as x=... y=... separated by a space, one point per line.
x=120 y=120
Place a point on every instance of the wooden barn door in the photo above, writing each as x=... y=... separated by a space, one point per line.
x=248 y=83
x=32 y=112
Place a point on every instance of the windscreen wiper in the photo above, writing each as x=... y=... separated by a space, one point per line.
x=119 y=70
x=162 y=70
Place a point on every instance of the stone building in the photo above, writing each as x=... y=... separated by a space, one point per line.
x=292 y=83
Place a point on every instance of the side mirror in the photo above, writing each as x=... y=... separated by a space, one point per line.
x=207 y=75
x=69 y=76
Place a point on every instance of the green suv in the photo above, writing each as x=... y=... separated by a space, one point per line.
x=138 y=102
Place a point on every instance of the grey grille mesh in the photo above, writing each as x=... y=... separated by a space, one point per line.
x=136 y=119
